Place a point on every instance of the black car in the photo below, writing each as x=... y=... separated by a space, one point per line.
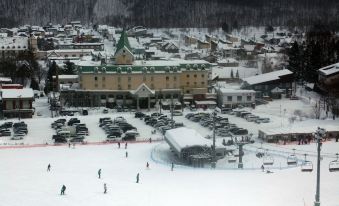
x=139 y=115
x=129 y=137
x=59 y=139
x=72 y=121
x=84 y=112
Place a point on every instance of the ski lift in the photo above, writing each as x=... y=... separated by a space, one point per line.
x=334 y=165
x=292 y=159
x=307 y=166
x=268 y=159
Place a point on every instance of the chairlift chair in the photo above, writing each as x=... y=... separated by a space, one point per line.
x=307 y=166
x=334 y=165
x=292 y=159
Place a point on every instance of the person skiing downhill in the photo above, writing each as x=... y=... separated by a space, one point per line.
x=49 y=167
x=105 y=188
x=63 y=189
x=126 y=145
x=119 y=145
x=147 y=165
x=137 y=178
x=262 y=168
x=99 y=173
x=126 y=154
x=172 y=166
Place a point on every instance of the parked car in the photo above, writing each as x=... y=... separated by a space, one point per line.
x=177 y=113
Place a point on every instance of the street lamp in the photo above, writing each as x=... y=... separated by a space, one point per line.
x=319 y=134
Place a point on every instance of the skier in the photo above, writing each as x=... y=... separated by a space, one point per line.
x=69 y=145
x=63 y=189
x=172 y=167
x=119 y=145
x=150 y=140
x=99 y=173
x=105 y=188
x=137 y=178
x=262 y=168
x=147 y=165
x=49 y=167
x=126 y=145
x=126 y=154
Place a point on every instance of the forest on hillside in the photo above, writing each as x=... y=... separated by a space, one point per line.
x=171 y=13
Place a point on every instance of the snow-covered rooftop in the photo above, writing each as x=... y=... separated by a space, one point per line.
x=267 y=77
x=17 y=93
x=183 y=137
x=329 y=70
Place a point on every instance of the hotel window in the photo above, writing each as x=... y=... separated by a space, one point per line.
x=195 y=76
x=239 y=98
x=187 y=75
x=203 y=75
x=187 y=83
x=167 y=78
x=129 y=86
x=229 y=98
x=96 y=78
x=202 y=83
x=249 y=98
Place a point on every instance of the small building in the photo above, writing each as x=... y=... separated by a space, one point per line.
x=191 y=147
x=189 y=40
x=17 y=103
x=203 y=45
x=231 y=98
x=264 y=84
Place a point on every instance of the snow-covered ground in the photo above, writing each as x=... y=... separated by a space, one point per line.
x=25 y=181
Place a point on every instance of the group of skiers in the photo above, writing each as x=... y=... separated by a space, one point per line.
x=63 y=188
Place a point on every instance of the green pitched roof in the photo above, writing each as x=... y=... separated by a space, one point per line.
x=123 y=42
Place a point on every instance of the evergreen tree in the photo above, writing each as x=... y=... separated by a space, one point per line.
x=237 y=74
x=51 y=72
x=232 y=75
x=34 y=84
x=69 y=68
x=295 y=61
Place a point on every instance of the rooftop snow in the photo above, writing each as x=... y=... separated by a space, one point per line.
x=183 y=137
x=329 y=70
x=267 y=77
x=15 y=93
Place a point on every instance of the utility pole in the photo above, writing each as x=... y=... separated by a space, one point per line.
x=214 y=161
x=320 y=133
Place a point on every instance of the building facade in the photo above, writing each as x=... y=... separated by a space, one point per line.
x=139 y=84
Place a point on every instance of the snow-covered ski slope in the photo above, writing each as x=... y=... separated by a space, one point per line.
x=25 y=181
